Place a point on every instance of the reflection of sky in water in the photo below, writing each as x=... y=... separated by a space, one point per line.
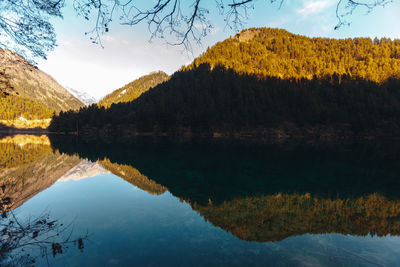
x=128 y=226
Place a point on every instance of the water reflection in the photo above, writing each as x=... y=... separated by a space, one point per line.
x=85 y=169
x=28 y=165
x=133 y=176
x=256 y=192
x=24 y=242
x=266 y=192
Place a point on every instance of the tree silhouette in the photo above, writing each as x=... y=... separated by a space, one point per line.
x=24 y=242
x=24 y=24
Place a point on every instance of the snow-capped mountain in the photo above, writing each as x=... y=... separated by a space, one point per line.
x=83 y=96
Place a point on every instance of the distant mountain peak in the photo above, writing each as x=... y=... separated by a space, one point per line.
x=85 y=97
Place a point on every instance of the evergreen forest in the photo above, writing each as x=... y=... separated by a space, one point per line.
x=13 y=106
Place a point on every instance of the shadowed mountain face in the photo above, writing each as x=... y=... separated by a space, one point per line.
x=20 y=78
x=267 y=192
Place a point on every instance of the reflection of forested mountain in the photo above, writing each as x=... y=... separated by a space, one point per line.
x=28 y=166
x=270 y=192
x=222 y=171
x=21 y=149
x=278 y=216
x=133 y=176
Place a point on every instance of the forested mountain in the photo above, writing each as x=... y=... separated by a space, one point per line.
x=27 y=91
x=269 y=52
x=14 y=106
x=133 y=90
x=262 y=80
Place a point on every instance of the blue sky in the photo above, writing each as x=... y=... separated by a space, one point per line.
x=128 y=54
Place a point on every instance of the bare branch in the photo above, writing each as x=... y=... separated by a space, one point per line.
x=345 y=8
x=23 y=242
x=25 y=28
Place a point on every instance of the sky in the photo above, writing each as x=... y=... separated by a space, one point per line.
x=127 y=52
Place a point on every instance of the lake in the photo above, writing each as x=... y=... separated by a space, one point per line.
x=157 y=202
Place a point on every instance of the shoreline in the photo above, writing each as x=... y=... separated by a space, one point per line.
x=124 y=132
x=34 y=131
x=279 y=133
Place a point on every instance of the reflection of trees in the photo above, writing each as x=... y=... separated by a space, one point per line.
x=276 y=217
x=16 y=151
x=349 y=189
x=133 y=176
x=222 y=171
x=28 y=166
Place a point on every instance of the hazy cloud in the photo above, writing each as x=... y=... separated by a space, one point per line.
x=314 y=7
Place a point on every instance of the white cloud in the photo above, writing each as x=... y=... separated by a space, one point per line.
x=314 y=7
x=87 y=67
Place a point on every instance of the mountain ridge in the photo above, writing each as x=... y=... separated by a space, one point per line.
x=20 y=78
x=272 y=52
x=134 y=89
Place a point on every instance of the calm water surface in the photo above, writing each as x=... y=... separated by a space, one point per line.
x=205 y=203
